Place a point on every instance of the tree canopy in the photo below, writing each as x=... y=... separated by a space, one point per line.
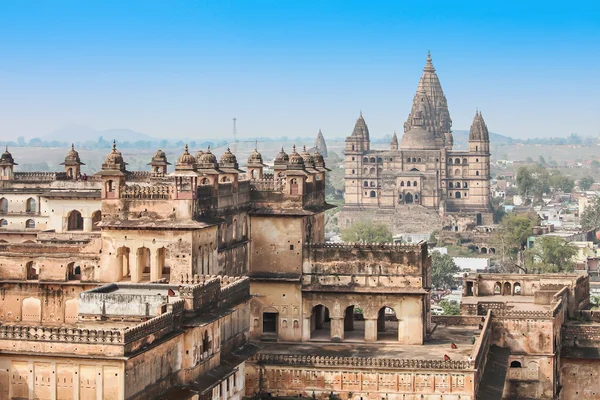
x=450 y=307
x=442 y=270
x=533 y=181
x=367 y=232
x=510 y=239
x=551 y=254
x=586 y=182
x=590 y=217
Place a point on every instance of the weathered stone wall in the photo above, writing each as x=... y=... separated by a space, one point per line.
x=283 y=298
x=579 y=379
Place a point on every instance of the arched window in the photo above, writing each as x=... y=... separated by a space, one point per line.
x=3 y=223
x=372 y=184
x=419 y=159
x=372 y=170
x=457 y=161
x=516 y=288
x=3 y=205
x=497 y=288
x=477 y=160
x=366 y=159
x=465 y=162
x=30 y=205
x=476 y=148
x=234 y=229
x=465 y=185
x=205 y=181
x=366 y=171
x=366 y=184
x=352 y=172
x=402 y=183
x=30 y=223
x=408 y=183
x=457 y=195
x=96 y=219
x=110 y=186
x=225 y=179
x=416 y=197
x=74 y=221
x=450 y=185
x=352 y=147
x=415 y=183
x=457 y=172
x=477 y=173
x=515 y=364
x=245 y=227
x=414 y=159
x=372 y=159
x=32 y=270
x=449 y=161
x=379 y=160
x=372 y=194
x=408 y=159
x=294 y=186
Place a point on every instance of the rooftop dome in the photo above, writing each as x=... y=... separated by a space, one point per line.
x=114 y=159
x=7 y=158
x=207 y=160
x=186 y=158
x=159 y=158
x=282 y=156
x=420 y=135
x=296 y=161
x=199 y=155
x=309 y=160
x=255 y=157
x=72 y=157
x=228 y=157
x=319 y=160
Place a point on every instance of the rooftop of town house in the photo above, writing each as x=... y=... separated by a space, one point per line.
x=438 y=345
x=80 y=324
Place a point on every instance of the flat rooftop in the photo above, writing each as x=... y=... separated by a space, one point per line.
x=516 y=303
x=438 y=345
x=89 y=324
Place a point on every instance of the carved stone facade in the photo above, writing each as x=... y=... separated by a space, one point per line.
x=423 y=174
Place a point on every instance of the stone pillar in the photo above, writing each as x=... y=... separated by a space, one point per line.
x=337 y=329
x=370 y=330
x=155 y=266
x=136 y=263
x=349 y=319
x=381 y=320
x=307 y=329
x=87 y=224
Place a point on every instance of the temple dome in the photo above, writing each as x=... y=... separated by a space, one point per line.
x=114 y=157
x=186 y=158
x=282 y=156
x=207 y=160
x=309 y=160
x=255 y=157
x=6 y=157
x=418 y=139
x=319 y=160
x=228 y=157
x=199 y=155
x=296 y=161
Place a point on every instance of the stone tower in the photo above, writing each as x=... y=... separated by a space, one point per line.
x=356 y=145
x=479 y=162
x=7 y=163
x=320 y=145
x=72 y=163
x=394 y=143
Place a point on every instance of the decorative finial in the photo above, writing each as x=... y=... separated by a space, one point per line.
x=229 y=151
x=208 y=148
x=428 y=55
x=256 y=145
x=282 y=149
x=293 y=148
x=186 y=147
x=72 y=146
x=361 y=113
x=6 y=147
x=114 y=145
x=304 y=149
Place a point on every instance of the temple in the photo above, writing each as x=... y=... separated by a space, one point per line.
x=420 y=184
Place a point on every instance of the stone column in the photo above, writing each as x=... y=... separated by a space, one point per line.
x=370 y=330
x=337 y=329
x=155 y=265
x=87 y=224
x=306 y=329
x=135 y=268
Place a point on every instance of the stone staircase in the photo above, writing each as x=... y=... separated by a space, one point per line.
x=494 y=375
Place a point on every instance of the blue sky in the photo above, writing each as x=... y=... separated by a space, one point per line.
x=187 y=67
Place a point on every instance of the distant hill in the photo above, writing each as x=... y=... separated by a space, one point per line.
x=462 y=136
x=81 y=133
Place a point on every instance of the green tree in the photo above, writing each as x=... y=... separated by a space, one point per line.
x=443 y=269
x=586 y=182
x=510 y=239
x=590 y=217
x=551 y=254
x=533 y=181
x=450 y=307
x=367 y=232
x=561 y=182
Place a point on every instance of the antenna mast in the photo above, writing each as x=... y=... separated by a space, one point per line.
x=234 y=146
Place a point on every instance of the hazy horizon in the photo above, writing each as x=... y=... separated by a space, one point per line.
x=186 y=68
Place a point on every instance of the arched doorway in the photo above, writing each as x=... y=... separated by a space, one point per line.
x=74 y=221
x=354 y=323
x=320 y=323
x=96 y=219
x=387 y=324
x=517 y=289
x=497 y=288
x=3 y=205
x=507 y=289
x=73 y=272
x=32 y=271
x=457 y=195
x=408 y=198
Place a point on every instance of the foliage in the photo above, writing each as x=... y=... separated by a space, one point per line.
x=367 y=232
x=510 y=239
x=562 y=182
x=442 y=270
x=450 y=307
x=551 y=254
x=590 y=217
x=586 y=182
x=533 y=181
x=498 y=209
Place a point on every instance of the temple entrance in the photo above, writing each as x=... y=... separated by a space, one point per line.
x=408 y=198
x=320 y=323
x=387 y=324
